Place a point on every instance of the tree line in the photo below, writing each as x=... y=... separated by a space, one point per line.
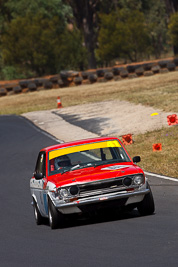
x=40 y=37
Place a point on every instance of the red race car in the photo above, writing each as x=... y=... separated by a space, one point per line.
x=85 y=176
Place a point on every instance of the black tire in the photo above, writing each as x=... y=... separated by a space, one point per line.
x=32 y=86
x=171 y=66
x=38 y=218
x=23 y=84
x=54 y=79
x=147 y=206
x=147 y=66
x=92 y=78
x=163 y=63
x=175 y=61
x=56 y=219
x=17 y=89
x=40 y=82
x=100 y=72
x=3 y=92
x=108 y=76
x=131 y=68
x=139 y=71
x=48 y=85
x=124 y=73
x=78 y=80
x=155 y=69
x=85 y=75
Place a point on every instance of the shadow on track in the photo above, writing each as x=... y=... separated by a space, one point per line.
x=72 y=221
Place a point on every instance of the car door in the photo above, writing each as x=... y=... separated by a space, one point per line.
x=39 y=191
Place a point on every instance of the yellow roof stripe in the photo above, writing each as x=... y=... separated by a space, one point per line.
x=67 y=150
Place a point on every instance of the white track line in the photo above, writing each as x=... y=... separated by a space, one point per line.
x=41 y=130
x=161 y=176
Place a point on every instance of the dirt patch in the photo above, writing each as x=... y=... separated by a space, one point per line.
x=99 y=119
x=114 y=117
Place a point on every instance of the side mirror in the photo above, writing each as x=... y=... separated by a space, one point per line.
x=38 y=175
x=136 y=159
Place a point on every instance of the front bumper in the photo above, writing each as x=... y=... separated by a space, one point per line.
x=74 y=206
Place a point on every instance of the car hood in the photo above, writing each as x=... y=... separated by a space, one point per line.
x=91 y=174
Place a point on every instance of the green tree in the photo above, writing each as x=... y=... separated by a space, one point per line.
x=73 y=55
x=122 y=34
x=156 y=19
x=85 y=14
x=36 y=25
x=10 y=9
x=130 y=4
x=35 y=43
x=5 y=15
x=173 y=29
x=47 y=8
x=172 y=7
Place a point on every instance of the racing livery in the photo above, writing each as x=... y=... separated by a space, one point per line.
x=85 y=176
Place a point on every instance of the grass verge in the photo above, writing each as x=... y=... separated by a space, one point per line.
x=163 y=162
x=159 y=91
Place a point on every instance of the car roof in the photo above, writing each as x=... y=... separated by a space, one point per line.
x=78 y=142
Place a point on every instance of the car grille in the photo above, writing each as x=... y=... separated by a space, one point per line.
x=103 y=187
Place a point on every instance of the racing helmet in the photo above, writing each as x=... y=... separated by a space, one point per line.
x=62 y=161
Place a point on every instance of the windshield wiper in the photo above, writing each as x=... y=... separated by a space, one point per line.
x=78 y=166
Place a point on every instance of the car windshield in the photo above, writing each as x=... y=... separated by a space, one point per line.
x=86 y=155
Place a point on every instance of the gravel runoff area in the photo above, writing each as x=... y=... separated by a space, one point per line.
x=115 y=118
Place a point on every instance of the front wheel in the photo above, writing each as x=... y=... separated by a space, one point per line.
x=147 y=206
x=56 y=218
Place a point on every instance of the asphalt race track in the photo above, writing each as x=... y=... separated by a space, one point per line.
x=113 y=240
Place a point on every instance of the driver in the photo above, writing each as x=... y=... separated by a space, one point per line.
x=62 y=161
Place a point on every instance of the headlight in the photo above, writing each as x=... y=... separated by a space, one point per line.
x=127 y=181
x=68 y=192
x=139 y=179
x=74 y=190
x=64 y=193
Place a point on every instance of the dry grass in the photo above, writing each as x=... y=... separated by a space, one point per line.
x=163 y=162
x=160 y=91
